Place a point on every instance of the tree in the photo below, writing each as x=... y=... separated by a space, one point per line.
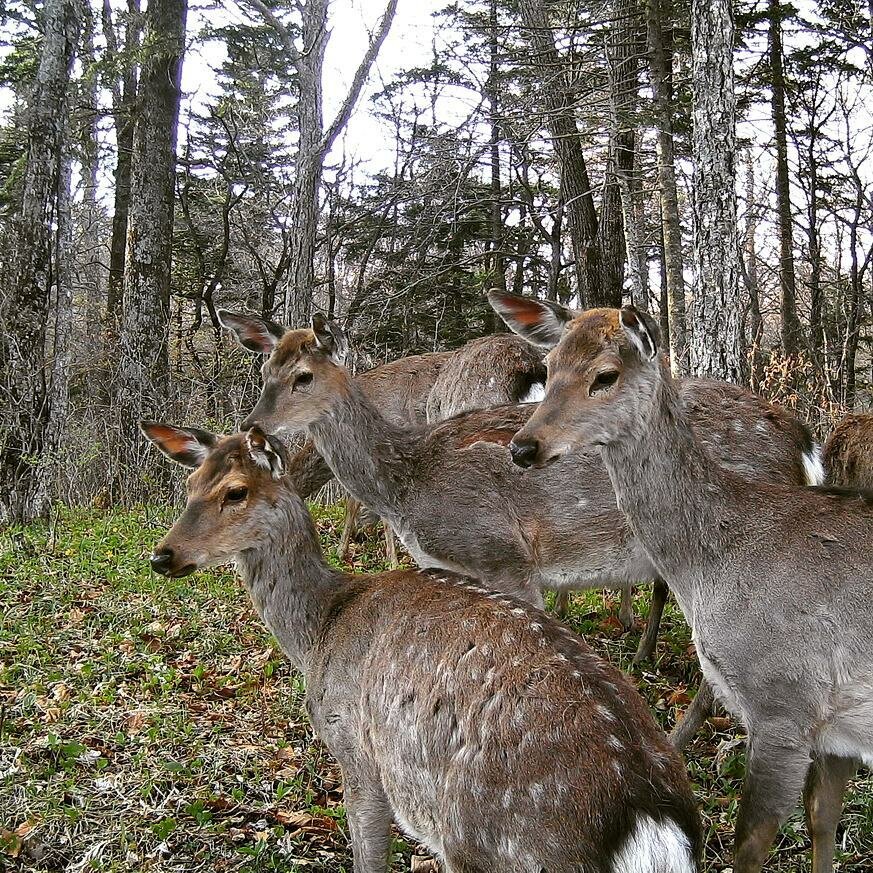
x=671 y=227
x=314 y=140
x=716 y=346
x=597 y=285
x=143 y=365
x=792 y=333
x=123 y=86
x=31 y=435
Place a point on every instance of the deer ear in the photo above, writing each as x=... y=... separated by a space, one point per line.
x=642 y=331
x=330 y=338
x=258 y=335
x=188 y=446
x=266 y=451
x=540 y=322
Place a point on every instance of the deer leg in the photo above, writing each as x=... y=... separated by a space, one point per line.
x=352 y=509
x=369 y=818
x=626 y=610
x=390 y=545
x=562 y=603
x=699 y=710
x=649 y=639
x=775 y=774
x=823 y=802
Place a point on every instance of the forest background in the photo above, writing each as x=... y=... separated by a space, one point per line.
x=387 y=163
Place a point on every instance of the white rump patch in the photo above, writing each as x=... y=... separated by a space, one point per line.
x=813 y=467
x=534 y=394
x=655 y=848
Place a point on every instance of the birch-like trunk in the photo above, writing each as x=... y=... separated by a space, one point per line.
x=716 y=347
x=26 y=441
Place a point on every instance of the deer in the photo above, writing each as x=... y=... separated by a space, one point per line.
x=730 y=419
x=848 y=452
x=486 y=730
x=449 y=489
x=414 y=390
x=774 y=579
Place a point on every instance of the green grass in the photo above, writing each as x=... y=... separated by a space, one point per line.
x=152 y=724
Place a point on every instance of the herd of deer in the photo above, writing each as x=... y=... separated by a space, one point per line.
x=485 y=729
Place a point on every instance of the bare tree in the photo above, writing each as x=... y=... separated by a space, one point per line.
x=29 y=436
x=671 y=228
x=716 y=347
x=595 y=288
x=314 y=140
x=792 y=333
x=143 y=366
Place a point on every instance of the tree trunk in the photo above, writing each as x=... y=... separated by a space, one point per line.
x=61 y=355
x=756 y=322
x=26 y=442
x=495 y=266
x=123 y=109
x=791 y=329
x=716 y=346
x=90 y=262
x=561 y=121
x=144 y=362
x=671 y=228
x=310 y=157
x=623 y=248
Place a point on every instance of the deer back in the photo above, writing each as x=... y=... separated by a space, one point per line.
x=848 y=453
x=489 y=371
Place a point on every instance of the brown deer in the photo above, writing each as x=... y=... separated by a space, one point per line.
x=848 y=452
x=450 y=490
x=485 y=729
x=773 y=579
x=414 y=390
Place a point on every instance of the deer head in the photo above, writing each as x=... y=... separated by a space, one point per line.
x=596 y=368
x=302 y=374
x=232 y=495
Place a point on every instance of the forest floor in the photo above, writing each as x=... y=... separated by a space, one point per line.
x=153 y=724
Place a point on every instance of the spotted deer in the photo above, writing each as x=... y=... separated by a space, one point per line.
x=414 y=390
x=449 y=489
x=740 y=431
x=486 y=730
x=774 y=579
x=848 y=453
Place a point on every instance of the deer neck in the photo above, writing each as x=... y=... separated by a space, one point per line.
x=288 y=579
x=370 y=456
x=674 y=496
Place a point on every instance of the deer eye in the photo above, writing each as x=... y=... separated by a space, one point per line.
x=302 y=380
x=236 y=495
x=603 y=382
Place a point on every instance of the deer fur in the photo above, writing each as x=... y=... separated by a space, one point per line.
x=413 y=390
x=773 y=579
x=450 y=490
x=848 y=453
x=486 y=730
x=748 y=435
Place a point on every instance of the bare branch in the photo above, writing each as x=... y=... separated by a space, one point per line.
x=361 y=75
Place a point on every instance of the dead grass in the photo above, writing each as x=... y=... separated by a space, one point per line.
x=152 y=724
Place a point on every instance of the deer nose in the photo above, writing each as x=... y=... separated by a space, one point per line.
x=524 y=451
x=161 y=560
